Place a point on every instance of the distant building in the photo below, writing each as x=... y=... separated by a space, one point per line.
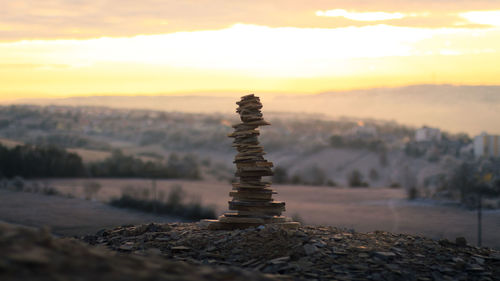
x=362 y=131
x=427 y=134
x=487 y=145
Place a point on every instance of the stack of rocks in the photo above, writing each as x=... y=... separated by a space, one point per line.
x=252 y=201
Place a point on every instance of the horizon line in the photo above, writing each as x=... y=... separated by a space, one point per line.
x=227 y=93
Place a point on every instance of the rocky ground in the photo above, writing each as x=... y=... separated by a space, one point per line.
x=27 y=254
x=188 y=252
x=312 y=253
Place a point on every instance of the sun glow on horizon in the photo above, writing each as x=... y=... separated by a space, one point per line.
x=361 y=16
x=483 y=17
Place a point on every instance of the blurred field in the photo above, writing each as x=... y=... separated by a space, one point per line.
x=90 y=155
x=66 y=216
x=87 y=155
x=363 y=209
x=9 y=143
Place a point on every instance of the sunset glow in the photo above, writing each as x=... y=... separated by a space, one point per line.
x=483 y=17
x=321 y=49
x=366 y=16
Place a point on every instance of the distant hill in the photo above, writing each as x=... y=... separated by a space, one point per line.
x=470 y=109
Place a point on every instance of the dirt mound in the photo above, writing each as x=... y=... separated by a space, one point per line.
x=35 y=255
x=318 y=253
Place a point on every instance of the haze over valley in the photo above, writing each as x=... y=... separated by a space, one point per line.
x=468 y=109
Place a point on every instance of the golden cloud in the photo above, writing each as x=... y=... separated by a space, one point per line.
x=64 y=19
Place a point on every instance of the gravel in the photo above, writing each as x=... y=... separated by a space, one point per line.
x=309 y=253
x=185 y=251
x=27 y=254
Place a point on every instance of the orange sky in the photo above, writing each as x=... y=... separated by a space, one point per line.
x=58 y=48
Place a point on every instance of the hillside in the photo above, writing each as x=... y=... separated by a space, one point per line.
x=302 y=145
x=469 y=109
x=189 y=252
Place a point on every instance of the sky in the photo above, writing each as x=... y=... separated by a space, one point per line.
x=61 y=48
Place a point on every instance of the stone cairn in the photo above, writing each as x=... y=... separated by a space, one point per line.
x=252 y=202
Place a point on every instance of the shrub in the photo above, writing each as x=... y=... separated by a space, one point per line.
x=373 y=174
x=395 y=185
x=175 y=197
x=297 y=218
x=121 y=165
x=412 y=193
x=174 y=205
x=355 y=179
x=317 y=175
x=49 y=190
x=90 y=189
x=382 y=159
x=297 y=179
x=331 y=183
x=280 y=175
x=18 y=184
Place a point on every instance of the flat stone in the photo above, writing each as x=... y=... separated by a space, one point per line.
x=279 y=260
x=461 y=241
x=180 y=248
x=475 y=267
x=495 y=256
x=310 y=249
x=126 y=247
x=385 y=255
x=225 y=219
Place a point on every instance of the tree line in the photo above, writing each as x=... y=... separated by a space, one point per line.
x=37 y=162
x=30 y=161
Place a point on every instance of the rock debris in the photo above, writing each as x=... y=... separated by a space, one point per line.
x=308 y=253
x=32 y=255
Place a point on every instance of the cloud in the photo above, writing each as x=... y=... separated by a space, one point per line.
x=483 y=17
x=79 y=19
x=361 y=16
x=436 y=19
x=256 y=50
x=33 y=66
x=250 y=48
